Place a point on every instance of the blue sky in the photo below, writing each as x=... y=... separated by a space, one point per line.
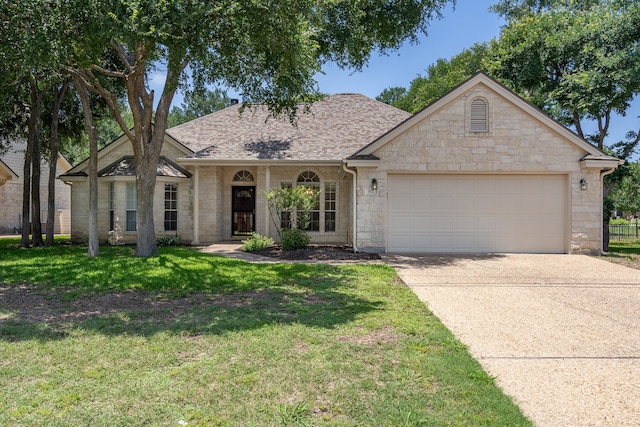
x=460 y=27
x=468 y=23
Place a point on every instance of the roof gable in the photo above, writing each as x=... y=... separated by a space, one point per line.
x=126 y=166
x=500 y=90
x=6 y=174
x=117 y=144
x=334 y=128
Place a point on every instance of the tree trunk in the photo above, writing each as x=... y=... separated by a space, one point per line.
x=34 y=135
x=94 y=241
x=53 y=163
x=146 y=172
x=36 y=220
x=26 y=197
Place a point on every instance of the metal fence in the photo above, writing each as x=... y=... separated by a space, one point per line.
x=624 y=231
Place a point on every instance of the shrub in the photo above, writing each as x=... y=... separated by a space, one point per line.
x=168 y=240
x=619 y=221
x=256 y=242
x=294 y=239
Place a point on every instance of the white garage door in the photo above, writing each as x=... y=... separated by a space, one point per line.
x=477 y=213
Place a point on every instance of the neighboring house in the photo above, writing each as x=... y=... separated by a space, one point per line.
x=479 y=170
x=11 y=167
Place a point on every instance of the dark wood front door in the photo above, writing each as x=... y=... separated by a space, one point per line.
x=243 y=202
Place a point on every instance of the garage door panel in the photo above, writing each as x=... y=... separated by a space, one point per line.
x=442 y=223
x=464 y=203
x=418 y=223
x=488 y=213
x=485 y=223
x=442 y=203
x=485 y=204
x=464 y=222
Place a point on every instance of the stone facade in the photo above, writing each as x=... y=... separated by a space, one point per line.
x=210 y=187
x=215 y=185
x=114 y=188
x=516 y=143
x=11 y=194
x=478 y=129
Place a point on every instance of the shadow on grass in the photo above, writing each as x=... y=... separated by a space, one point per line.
x=45 y=293
x=34 y=313
x=176 y=270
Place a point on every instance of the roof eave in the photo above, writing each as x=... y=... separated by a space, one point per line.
x=359 y=163
x=603 y=162
x=184 y=161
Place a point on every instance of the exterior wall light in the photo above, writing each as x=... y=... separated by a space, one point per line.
x=374 y=184
x=583 y=184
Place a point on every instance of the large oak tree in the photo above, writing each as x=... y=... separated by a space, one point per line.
x=267 y=50
x=579 y=61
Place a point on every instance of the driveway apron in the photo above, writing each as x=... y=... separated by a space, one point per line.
x=560 y=333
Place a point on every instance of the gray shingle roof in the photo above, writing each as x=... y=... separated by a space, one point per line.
x=335 y=128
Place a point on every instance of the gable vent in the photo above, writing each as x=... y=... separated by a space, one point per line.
x=479 y=116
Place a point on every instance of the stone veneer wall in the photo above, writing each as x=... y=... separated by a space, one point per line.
x=80 y=200
x=11 y=194
x=515 y=144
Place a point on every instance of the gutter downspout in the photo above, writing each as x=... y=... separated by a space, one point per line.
x=602 y=175
x=355 y=203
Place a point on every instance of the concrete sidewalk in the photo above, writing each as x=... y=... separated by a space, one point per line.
x=561 y=333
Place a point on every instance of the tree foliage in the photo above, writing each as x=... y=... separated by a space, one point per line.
x=441 y=77
x=198 y=103
x=513 y=10
x=297 y=202
x=625 y=194
x=576 y=60
x=269 y=51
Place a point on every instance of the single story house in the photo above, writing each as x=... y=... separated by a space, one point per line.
x=11 y=182
x=479 y=170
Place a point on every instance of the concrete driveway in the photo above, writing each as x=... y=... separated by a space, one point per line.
x=561 y=333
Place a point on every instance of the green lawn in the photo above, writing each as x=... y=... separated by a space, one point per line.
x=185 y=338
x=630 y=246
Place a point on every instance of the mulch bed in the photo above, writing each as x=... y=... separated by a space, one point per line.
x=316 y=252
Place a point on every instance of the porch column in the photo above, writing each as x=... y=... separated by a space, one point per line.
x=267 y=188
x=196 y=206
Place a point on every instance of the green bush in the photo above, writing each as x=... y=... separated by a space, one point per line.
x=294 y=239
x=619 y=221
x=168 y=240
x=256 y=242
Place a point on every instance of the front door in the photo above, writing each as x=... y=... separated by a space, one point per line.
x=243 y=202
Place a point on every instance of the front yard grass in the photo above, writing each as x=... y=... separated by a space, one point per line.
x=185 y=338
x=625 y=252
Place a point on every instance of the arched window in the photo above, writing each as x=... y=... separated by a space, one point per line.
x=308 y=177
x=479 y=116
x=243 y=176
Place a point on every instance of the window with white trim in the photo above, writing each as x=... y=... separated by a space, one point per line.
x=285 y=216
x=131 y=206
x=171 y=207
x=112 y=222
x=330 y=206
x=311 y=180
x=479 y=116
x=243 y=176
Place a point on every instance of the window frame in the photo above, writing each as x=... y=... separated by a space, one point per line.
x=325 y=219
x=478 y=115
x=112 y=215
x=311 y=180
x=131 y=206
x=171 y=224
x=330 y=215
